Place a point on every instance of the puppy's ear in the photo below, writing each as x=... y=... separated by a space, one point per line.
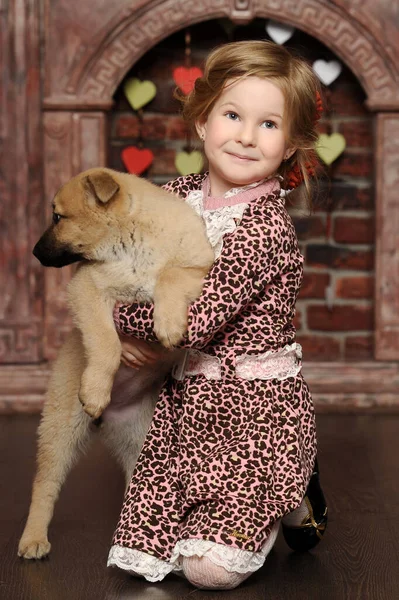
x=102 y=186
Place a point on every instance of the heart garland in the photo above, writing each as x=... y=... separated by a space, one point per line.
x=189 y=162
x=139 y=93
x=279 y=32
x=329 y=147
x=327 y=71
x=184 y=78
x=136 y=160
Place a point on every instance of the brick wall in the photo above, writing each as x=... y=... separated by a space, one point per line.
x=337 y=240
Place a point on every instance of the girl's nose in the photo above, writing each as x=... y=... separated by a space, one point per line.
x=247 y=135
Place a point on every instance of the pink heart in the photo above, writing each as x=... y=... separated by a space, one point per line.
x=185 y=77
x=137 y=160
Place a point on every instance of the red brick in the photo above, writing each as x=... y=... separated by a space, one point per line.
x=339 y=195
x=309 y=227
x=319 y=348
x=357 y=133
x=353 y=164
x=340 y=318
x=154 y=127
x=357 y=260
x=354 y=230
x=338 y=257
x=164 y=162
x=348 y=197
x=355 y=287
x=348 y=100
x=314 y=285
x=297 y=322
x=359 y=347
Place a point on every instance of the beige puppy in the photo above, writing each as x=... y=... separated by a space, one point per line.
x=135 y=242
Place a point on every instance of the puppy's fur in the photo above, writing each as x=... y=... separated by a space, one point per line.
x=134 y=241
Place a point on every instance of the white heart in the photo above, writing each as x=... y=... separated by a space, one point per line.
x=279 y=32
x=327 y=72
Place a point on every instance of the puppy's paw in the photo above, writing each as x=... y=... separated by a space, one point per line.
x=94 y=395
x=34 y=548
x=91 y=408
x=170 y=334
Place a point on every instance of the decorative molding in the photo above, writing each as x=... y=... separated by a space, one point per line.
x=95 y=75
x=387 y=238
x=242 y=11
x=335 y=387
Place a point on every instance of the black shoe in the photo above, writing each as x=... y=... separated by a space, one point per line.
x=307 y=535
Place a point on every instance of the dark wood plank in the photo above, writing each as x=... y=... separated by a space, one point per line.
x=358 y=559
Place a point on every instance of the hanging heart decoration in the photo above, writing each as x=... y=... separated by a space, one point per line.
x=329 y=147
x=136 y=160
x=184 y=78
x=327 y=71
x=189 y=162
x=139 y=93
x=279 y=32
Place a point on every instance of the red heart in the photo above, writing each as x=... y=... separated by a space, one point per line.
x=185 y=77
x=136 y=160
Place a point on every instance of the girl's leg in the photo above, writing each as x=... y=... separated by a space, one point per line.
x=207 y=572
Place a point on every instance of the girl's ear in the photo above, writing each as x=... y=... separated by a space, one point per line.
x=201 y=129
x=289 y=152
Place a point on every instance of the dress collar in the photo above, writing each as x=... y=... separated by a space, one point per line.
x=247 y=194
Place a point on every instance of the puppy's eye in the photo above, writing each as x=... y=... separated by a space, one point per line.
x=56 y=218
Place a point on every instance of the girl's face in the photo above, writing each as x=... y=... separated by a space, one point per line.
x=243 y=135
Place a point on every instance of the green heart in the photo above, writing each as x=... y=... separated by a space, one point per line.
x=189 y=162
x=329 y=147
x=139 y=92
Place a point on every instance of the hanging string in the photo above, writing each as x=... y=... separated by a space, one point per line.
x=187 y=64
x=140 y=118
x=329 y=172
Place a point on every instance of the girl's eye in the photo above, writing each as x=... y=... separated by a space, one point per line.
x=232 y=115
x=56 y=218
x=269 y=125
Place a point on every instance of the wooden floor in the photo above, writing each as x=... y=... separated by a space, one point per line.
x=358 y=558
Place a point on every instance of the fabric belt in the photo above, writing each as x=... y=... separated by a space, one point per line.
x=279 y=364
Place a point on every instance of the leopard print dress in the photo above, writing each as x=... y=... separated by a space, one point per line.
x=232 y=442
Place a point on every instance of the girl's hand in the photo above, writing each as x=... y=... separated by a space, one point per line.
x=137 y=353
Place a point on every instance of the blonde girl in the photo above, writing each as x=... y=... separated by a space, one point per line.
x=232 y=447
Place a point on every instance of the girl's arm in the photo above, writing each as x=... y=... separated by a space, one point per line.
x=251 y=257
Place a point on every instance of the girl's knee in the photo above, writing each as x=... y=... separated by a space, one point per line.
x=204 y=574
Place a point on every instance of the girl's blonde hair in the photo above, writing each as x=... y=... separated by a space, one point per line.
x=295 y=78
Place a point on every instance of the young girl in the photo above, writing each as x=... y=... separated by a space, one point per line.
x=231 y=448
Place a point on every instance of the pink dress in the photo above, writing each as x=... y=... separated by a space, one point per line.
x=232 y=442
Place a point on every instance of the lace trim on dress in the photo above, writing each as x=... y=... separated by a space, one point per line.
x=233 y=560
x=279 y=364
x=224 y=219
x=154 y=569
x=139 y=563
x=218 y=222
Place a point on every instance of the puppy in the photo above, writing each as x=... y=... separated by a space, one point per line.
x=134 y=242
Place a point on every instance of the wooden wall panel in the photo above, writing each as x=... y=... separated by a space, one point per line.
x=387 y=238
x=21 y=302
x=73 y=142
